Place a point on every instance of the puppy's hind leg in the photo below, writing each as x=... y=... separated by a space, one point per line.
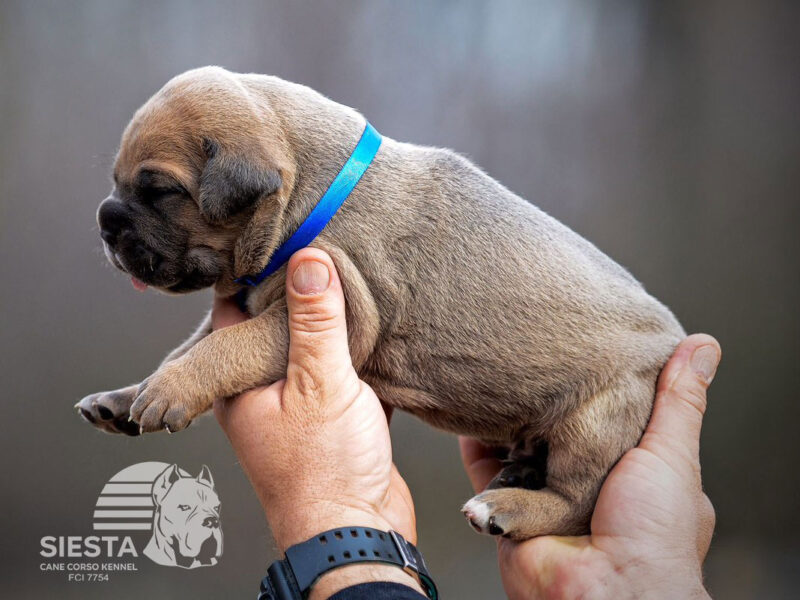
x=582 y=449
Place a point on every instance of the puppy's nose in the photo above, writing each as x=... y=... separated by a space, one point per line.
x=112 y=217
x=211 y=522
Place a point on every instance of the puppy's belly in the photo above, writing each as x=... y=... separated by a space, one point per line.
x=498 y=405
x=488 y=423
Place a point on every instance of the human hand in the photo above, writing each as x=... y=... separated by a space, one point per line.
x=652 y=523
x=316 y=445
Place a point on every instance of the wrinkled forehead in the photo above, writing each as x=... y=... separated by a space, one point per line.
x=173 y=123
x=156 y=139
x=190 y=491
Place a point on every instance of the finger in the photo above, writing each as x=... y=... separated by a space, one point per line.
x=225 y=313
x=480 y=462
x=319 y=358
x=681 y=397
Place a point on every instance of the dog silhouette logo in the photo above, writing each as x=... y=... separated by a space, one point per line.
x=181 y=511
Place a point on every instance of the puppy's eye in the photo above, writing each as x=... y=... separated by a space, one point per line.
x=151 y=194
x=184 y=507
x=217 y=507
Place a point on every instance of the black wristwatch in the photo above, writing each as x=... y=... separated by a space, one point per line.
x=292 y=577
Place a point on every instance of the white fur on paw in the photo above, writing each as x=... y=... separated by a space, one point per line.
x=477 y=513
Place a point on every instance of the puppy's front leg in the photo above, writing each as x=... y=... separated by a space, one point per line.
x=110 y=411
x=226 y=362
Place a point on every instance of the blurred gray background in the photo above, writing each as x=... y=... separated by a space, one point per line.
x=665 y=132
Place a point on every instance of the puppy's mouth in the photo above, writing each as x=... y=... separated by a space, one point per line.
x=199 y=268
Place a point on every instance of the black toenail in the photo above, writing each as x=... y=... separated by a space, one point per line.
x=105 y=413
x=87 y=415
x=494 y=528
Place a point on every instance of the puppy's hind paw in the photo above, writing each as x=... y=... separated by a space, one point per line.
x=479 y=514
x=513 y=513
x=521 y=514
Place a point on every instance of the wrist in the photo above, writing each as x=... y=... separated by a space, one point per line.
x=307 y=520
x=350 y=575
x=342 y=557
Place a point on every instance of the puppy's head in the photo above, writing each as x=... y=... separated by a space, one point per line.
x=199 y=184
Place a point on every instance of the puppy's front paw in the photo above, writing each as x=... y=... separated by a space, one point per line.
x=109 y=411
x=168 y=401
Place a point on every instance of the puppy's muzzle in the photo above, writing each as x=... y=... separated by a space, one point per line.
x=123 y=248
x=113 y=219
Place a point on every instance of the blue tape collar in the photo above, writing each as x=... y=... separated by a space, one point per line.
x=331 y=200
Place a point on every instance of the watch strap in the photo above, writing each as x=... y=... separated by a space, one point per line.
x=294 y=576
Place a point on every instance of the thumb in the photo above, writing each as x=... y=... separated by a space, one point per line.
x=319 y=357
x=681 y=397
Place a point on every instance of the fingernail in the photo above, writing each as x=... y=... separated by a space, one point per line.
x=311 y=277
x=704 y=361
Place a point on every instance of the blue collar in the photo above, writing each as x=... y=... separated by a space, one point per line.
x=321 y=214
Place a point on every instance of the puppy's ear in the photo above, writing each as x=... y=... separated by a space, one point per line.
x=205 y=477
x=163 y=482
x=232 y=182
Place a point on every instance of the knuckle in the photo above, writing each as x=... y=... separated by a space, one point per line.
x=693 y=393
x=319 y=385
x=313 y=318
x=315 y=315
x=307 y=383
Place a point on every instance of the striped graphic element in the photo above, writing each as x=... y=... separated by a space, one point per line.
x=126 y=502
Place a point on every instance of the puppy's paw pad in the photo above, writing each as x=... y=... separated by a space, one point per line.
x=126 y=426
x=108 y=411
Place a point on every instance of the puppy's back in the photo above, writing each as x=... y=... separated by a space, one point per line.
x=499 y=302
